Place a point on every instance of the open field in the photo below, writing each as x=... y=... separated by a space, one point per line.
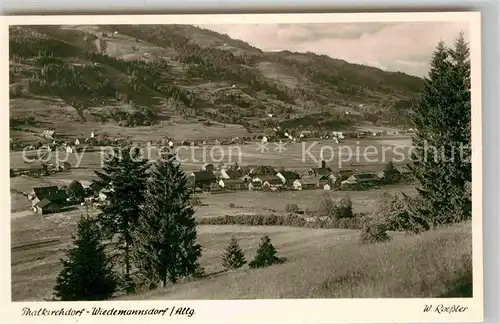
x=368 y=153
x=322 y=266
x=259 y=202
x=38 y=243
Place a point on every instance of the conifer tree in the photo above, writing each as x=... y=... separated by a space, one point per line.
x=87 y=273
x=442 y=122
x=166 y=246
x=124 y=175
x=266 y=254
x=233 y=256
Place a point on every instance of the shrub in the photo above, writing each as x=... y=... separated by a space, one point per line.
x=374 y=233
x=344 y=209
x=232 y=205
x=266 y=255
x=326 y=207
x=292 y=208
x=233 y=256
x=75 y=191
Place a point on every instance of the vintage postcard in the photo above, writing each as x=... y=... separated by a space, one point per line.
x=319 y=168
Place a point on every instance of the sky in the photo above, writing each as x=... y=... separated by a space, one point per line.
x=405 y=46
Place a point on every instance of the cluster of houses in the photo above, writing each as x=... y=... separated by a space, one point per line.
x=268 y=179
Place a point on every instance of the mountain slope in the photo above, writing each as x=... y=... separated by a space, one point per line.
x=160 y=76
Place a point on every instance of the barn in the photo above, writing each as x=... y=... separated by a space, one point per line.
x=233 y=184
x=46 y=206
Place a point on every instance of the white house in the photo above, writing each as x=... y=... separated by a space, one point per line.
x=77 y=142
x=92 y=135
x=170 y=144
x=270 y=115
x=70 y=149
x=264 y=139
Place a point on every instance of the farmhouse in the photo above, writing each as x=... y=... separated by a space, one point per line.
x=46 y=206
x=360 y=181
x=272 y=184
x=254 y=185
x=344 y=174
x=327 y=181
x=52 y=194
x=202 y=179
x=231 y=174
x=288 y=177
x=48 y=134
x=306 y=182
x=233 y=184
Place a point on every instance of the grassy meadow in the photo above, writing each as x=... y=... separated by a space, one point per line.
x=327 y=263
x=320 y=265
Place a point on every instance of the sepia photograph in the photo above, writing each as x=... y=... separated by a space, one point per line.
x=323 y=158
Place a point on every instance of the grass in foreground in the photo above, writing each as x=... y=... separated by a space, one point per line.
x=434 y=264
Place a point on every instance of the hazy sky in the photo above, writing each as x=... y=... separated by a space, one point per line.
x=405 y=47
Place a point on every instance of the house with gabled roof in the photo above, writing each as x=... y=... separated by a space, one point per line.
x=231 y=174
x=272 y=183
x=233 y=184
x=48 y=134
x=305 y=182
x=202 y=179
x=50 y=193
x=288 y=177
x=46 y=206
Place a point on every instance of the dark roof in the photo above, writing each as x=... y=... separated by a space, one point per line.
x=345 y=171
x=367 y=177
x=273 y=180
x=44 y=203
x=52 y=193
x=233 y=181
x=289 y=175
x=324 y=177
x=234 y=173
x=322 y=171
x=204 y=176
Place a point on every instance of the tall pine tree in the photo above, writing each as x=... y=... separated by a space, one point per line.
x=124 y=175
x=87 y=273
x=442 y=122
x=166 y=246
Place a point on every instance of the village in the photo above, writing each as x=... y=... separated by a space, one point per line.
x=211 y=177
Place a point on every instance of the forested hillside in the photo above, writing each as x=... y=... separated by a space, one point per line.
x=135 y=75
